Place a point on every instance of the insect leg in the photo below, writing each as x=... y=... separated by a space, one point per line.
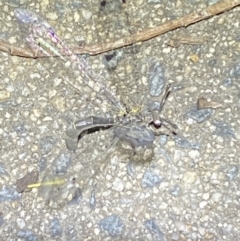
x=156 y=112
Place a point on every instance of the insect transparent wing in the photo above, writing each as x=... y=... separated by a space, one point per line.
x=43 y=38
x=123 y=64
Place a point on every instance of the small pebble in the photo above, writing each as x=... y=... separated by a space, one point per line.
x=61 y=164
x=151 y=179
x=189 y=177
x=194 y=154
x=55 y=228
x=92 y=201
x=175 y=191
x=156 y=79
x=216 y=197
x=4 y=95
x=232 y=172
x=223 y=129
x=46 y=144
x=113 y=224
x=200 y=115
x=27 y=235
x=203 y=204
x=185 y=143
x=151 y=225
x=52 y=16
x=118 y=185
x=86 y=14
x=76 y=197
x=59 y=103
x=8 y=194
x=20 y=223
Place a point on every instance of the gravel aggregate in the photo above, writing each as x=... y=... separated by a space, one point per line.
x=180 y=187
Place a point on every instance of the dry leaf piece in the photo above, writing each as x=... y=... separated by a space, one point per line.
x=203 y=103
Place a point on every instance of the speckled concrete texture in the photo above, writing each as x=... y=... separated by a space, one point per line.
x=182 y=187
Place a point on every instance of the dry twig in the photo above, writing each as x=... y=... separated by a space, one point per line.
x=135 y=38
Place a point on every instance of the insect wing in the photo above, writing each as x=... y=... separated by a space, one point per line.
x=136 y=136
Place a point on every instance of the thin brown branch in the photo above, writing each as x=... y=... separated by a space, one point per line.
x=18 y=51
x=156 y=31
x=135 y=38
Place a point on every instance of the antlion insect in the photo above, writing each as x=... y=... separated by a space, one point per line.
x=138 y=129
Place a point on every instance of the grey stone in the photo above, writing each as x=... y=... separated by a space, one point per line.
x=42 y=163
x=155 y=1
x=232 y=172
x=55 y=228
x=46 y=144
x=163 y=139
x=235 y=71
x=212 y=62
x=151 y=225
x=228 y=82
x=200 y=115
x=223 y=129
x=92 y=201
x=76 y=198
x=110 y=6
x=151 y=179
x=184 y=143
x=27 y=235
x=112 y=224
x=61 y=164
x=165 y=154
x=1 y=220
x=211 y=2
x=175 y=191
x=156 y=79
x=14 y=3
x=3 y=169
x=8 y=194
x=131 y=169
x=71 y=233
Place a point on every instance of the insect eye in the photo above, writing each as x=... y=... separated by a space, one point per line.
x=103 y=3
x=73 y=180
x=157 y=123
